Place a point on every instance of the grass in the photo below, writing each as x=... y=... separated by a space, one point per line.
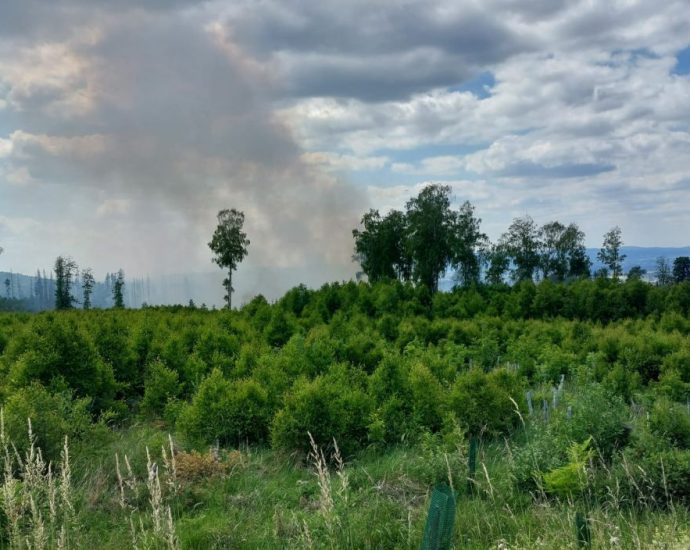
x=257 y=498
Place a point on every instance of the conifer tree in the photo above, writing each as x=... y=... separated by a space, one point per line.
x=87 y=283
x=118 y=286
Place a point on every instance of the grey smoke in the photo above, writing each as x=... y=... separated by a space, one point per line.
x=177 y=123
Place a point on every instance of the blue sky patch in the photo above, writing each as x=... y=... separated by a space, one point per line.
x=480 y=85
x=683 y=62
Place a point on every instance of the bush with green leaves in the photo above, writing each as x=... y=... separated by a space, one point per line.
x=670 y=422
x=55 y=351
x=332 y=406
x=429 y=400
x=53 y=415
x=161 y=384
x=595 y=414
x=570 y=480
x=231 y=412
x=486 y=402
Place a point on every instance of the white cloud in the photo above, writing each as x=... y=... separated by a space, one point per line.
x=5 y=147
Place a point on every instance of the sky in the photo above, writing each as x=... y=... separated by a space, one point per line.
x=125 y=126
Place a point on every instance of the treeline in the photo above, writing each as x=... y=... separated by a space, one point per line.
x=68 y=287
x=430 y=238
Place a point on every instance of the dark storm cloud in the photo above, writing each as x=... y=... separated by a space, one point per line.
x=26 y=20
x=373 y=50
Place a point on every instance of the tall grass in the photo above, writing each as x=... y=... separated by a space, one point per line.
x=37 y=498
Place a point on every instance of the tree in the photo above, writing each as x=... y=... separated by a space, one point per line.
x=87 y=284
x=499 y=263
x=521 y=242
x=664 y=276
x=610 y=253
x=580 y=264
x=562 y=251
x=681 y=269
x=467 y=244
x=118 y=285
x=229 y=244
x=636 y=273
x=380 y=247
x=65 y=270
x=430 y=238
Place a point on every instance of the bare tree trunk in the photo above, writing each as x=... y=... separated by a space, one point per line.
x=229 y=289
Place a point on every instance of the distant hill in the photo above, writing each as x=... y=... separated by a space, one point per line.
x=645 y=257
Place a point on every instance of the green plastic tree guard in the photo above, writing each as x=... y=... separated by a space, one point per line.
x=438 y=532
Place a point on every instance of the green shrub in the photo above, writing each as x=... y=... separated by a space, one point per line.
x=334 y=406
x=428 y=398
x=111 y=338
x=161 y=384
x=56 y=352
x=231 y=412
x=280 y=328
x=217 y=348
x=654 y=477
x=53 y=416
x=484 y=402
x=569 y=480
x=671 y=422
x=596 y=414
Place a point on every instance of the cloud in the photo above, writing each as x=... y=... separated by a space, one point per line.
x=113 y=207
x=180 y=108
x=339 y=162
x=372 y=51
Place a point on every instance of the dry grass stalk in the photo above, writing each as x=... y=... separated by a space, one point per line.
x=120 y=482
x=170 y=466
x=340 y=472
x=163 y=532
x=39 y=509
x=153 y=485
x=324 y=479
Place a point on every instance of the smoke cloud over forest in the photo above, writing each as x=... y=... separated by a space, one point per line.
x=126 y=126
x=131 y=129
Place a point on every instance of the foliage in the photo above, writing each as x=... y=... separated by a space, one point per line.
x=570 y=479
x=229 y=244
x=334 y=406
x=380 y=246
x=487 y=402
x=118 y=292
x=521 y=243
x=161 y=385
x=610 y=254
x=53 y=416
x=401 y=379
x=65 y=271
x=431 y=232
x=230 y=412
x=56 y=352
